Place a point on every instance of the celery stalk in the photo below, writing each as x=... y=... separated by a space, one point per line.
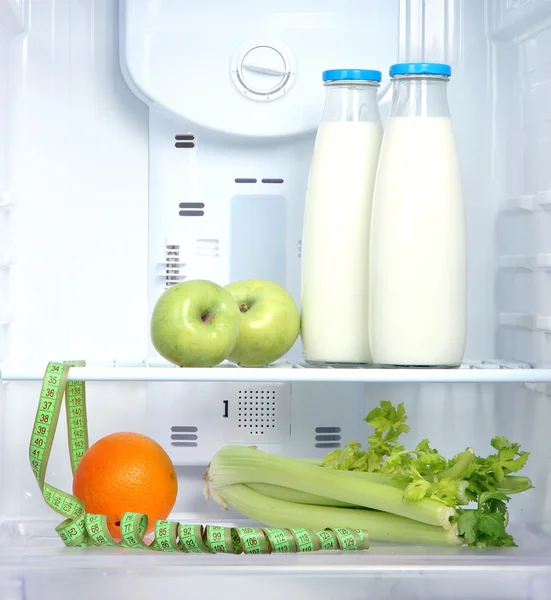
x=289 y=495
x=377 y=477
x=238 y=464
x=461 y=466
x=462 y=497
x=514 y=484
x=381 y=527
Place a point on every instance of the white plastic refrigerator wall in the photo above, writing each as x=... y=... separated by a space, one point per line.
x=132 y=155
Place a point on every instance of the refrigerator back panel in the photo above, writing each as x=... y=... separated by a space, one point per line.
x=234 y=103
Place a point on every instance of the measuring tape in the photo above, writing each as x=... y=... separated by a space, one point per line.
x=81 y=529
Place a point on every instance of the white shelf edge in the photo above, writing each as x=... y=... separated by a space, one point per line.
x=5 y=262
x=526 y=322
x=518 y=205
x=543 y=200
x=7 y=199
x=516 y=262
x=487 y=373
x=543 y=323
x=523 y=321
x=525 y=262
x=543 y=261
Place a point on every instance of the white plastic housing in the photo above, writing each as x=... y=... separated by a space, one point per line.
x=158 y=41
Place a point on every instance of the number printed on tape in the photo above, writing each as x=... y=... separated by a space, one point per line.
x=83 y=530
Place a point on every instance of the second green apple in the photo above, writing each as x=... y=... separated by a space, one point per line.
x=270 y=322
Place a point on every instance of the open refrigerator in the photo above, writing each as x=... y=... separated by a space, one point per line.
x=147 y=142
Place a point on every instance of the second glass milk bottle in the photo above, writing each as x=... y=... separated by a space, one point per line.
x=335 y=239
x=418 y=258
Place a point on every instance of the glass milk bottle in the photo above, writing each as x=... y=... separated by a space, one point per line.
x=417 y=256
x=335 y=239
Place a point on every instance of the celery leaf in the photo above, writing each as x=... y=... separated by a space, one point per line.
x=424 y=473
x=418 y=489
x=468 y=526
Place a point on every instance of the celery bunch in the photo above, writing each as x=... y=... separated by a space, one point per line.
x=398 y=495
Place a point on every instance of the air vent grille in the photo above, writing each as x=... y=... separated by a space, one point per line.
x=191 y=209
x=328 y=437
x=268 y=180
x=256 y=410
x=184 y=436
x=184 y=141
x=173 y=265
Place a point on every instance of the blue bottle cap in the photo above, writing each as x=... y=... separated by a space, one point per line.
x=351 y=75
x=421 y=68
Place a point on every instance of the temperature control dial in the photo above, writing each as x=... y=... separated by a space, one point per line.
x=263 y=71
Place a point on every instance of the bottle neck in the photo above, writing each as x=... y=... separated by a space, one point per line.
x=420 y=96
x=351 y=101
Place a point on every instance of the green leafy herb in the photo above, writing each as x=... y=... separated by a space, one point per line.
x=424 y=473
x=485 y=526
x=389 y=424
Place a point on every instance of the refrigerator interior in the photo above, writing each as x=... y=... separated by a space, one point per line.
x=95 y=162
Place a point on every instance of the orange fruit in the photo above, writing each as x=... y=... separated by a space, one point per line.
x=126 y=472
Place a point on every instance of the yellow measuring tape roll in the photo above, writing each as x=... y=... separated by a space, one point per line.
x=82 y=529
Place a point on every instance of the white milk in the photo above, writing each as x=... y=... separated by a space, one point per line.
x=335 y=242
x=418 y=259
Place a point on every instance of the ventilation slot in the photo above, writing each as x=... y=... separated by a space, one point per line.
x=256 y=410
x=173 y=266
x=184 y=141
x=254 y=180
x=191 y=209
x=192 y=205
x=184 y=444
x=184 y=429
x=328 y=429
x=300 y=248
x=328 y=437
x=184 y=436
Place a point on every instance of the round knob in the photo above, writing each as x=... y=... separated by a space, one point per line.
x=263 y=69
x=262 y=72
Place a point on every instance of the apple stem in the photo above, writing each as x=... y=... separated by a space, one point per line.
x=207 y=317
x=243 y=307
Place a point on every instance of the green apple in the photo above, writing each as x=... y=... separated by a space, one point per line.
x=270 y=322
x=195 y=324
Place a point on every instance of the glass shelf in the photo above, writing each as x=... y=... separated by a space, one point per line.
x=484 y=371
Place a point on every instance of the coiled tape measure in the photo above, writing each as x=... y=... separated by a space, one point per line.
x=84 y=529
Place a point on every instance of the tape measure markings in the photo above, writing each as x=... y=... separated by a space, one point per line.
x=85 y=529
x=73 y=530
x=253 y=540
x=280 y=540
x=305 y=540
x=75 y=392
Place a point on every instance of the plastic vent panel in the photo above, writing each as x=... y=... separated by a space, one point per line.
x=258 y=412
